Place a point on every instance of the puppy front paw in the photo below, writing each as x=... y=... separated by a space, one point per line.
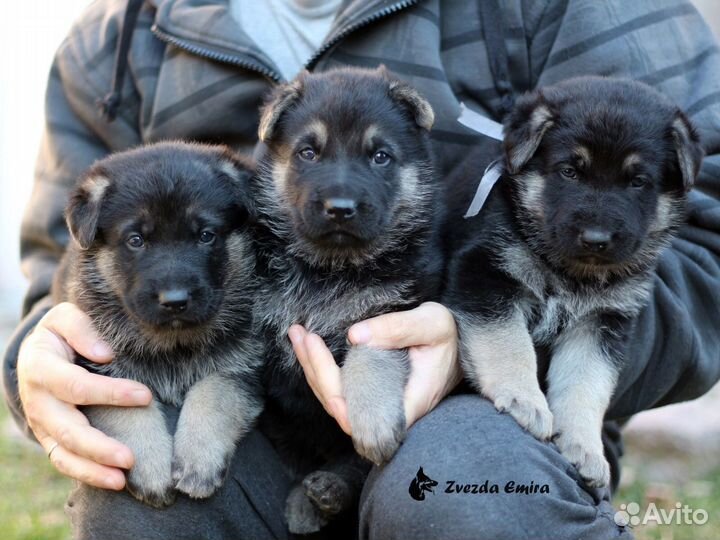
x=589 y=461
x=328 y=491
x=150 y=481
x=301 y=514
x=198 y=472
x=530 y=410
x=374 y=388
x=376 y=437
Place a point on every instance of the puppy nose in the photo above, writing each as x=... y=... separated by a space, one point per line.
x=337 y=209
x=596 y=240
x=174 y=299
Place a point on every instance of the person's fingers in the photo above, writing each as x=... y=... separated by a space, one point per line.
x=73 y=384
x=434 y=373
x=338 y=406
x=327 y=379
x=83 y=469
x=73 y=329
x=427 y=324
x=71 y=429
x=297 y=336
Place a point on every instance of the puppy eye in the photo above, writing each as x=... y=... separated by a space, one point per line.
x=135 y=241
x=568 y=172
x=639 y=181
x=381 y=158
x=207 y=237
x=307 y=154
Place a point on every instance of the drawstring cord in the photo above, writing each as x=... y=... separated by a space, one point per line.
x=109 y=104
x=493 y=28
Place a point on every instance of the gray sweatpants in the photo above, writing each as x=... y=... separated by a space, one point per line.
x=494 y=481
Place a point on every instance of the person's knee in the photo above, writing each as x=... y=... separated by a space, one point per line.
x=101 y=514
x=249 y=505
x=467 y=471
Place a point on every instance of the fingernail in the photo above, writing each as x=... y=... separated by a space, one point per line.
x=140 y=395
x=122 y=460
x=112 y=482
x=295 y=335
x=102 y=349
x=360 y=333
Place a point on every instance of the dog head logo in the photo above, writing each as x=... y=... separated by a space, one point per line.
x=420 y=484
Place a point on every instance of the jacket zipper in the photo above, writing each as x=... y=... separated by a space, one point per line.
x=342 y=34
x=194 y=48
x=199 y=50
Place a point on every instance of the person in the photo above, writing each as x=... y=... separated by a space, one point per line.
x=198 y=69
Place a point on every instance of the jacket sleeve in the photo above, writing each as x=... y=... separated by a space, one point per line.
x=674 y=353
x=74 y=137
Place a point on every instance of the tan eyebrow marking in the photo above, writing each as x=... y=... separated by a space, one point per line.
x=318 y=129
x=371 y=132
x=583 y=154
x=631 y=160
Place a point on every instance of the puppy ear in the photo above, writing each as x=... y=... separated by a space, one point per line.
x=688 y=149
x=83 y=211
x=282 y=98
x=408 y=97
x=524 y=130
x=239 y=169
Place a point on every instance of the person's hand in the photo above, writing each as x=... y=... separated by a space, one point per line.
x=428 y=332
x=51 y=386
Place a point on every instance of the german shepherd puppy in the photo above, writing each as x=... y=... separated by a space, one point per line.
x=162 y=262
x=345 y=192
x=593 y=186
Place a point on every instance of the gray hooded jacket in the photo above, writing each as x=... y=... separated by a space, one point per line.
x=193 y=73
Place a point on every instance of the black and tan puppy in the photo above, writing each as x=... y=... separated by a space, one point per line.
x=162 y=262
x=593 y=186
x=346 y=192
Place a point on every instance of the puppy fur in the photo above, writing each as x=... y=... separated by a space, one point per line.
x=595 y=176
x=148 y=226
x=345 y=190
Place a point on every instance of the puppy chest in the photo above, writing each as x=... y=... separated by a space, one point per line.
x=328 y=309
x=546 y=318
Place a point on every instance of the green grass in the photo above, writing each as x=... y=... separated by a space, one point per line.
x=33 y=496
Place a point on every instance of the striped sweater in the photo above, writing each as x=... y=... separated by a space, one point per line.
x=194 y=74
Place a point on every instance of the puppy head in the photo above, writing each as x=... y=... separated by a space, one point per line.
x=600 y=168
x=349 y=159
x=162 y=228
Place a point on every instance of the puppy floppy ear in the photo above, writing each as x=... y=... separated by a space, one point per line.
x=688 y=149
x=239 y=170
x=83 y=211
x=524 y=130
x=409 y=98
x=281 y=99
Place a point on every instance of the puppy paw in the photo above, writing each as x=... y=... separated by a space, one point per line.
x=590 y=462
x=377 y=438
x=198 y=474
x=329 y=492
x=151 y=484
x=374 y=386
x=301 y=514
x=530 y=410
